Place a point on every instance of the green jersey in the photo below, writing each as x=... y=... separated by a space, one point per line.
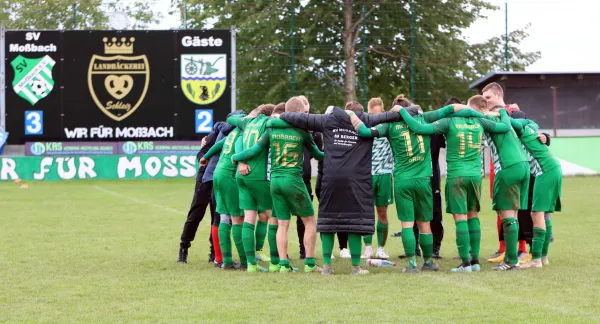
x=464 y=137
x=253 y=129
x=286 y=147
x=412 y=157
x=505 y=147
x=541 y=158
x=225 y=165
x=382 y=160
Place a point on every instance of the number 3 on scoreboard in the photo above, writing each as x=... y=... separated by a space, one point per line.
x=34 y=122
x=204 y=120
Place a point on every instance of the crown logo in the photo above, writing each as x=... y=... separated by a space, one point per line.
x=118 y=46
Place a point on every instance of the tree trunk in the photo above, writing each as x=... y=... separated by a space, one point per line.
x=350 y=76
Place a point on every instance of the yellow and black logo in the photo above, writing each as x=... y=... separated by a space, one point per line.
x=118 y=83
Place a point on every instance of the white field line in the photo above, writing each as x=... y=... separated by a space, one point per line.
x=140 y=202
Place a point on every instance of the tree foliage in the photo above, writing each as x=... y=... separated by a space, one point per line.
x=84 y=14
x=270 y=37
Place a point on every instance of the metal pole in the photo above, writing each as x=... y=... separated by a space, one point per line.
x=293 y=67
x=506 y=68
x=184 y=15
x=364 y=57
x=555 y=109
x=412 y=50
x=2 y=79
x=233 y=69
x=75 y=16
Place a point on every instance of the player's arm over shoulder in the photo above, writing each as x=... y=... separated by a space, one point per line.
x=415 y=126
x=312 y=147
x=256 y=149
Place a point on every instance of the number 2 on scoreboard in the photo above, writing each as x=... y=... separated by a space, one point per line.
x=204 y=121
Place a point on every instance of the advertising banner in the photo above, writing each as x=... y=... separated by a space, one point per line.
x=108 y=148
x=116 y=85
x=101 y=167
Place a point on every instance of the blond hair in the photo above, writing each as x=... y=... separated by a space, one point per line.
x=478 y=102
x=294 y=104
x=375 y=102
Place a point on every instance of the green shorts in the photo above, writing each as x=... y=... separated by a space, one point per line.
x=255 y=195
x=383 y=190
x=226 y=195
x=511 y=187
x=414 y=200
x=290 y=197
x=463 y=194
x=547 y=190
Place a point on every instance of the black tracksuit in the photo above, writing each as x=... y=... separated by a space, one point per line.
x=347 y=194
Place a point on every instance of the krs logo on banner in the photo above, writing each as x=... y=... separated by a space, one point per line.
x=118 y=84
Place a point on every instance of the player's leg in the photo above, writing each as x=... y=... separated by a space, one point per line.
x=423 y=211
x=383 y=199
x=237 y=223
x=327 y=240
x=299 y=201
x=343 y=241
x=261 y=191
x=278 y=248
x=473 y=188
x=526 y=225
x=355 y=245
x=510 y=194
x=250 y=208
x=405 y=210
x=456 y=204
x=368 y=239
x=214 y=230
x=200 y=201
x=300 y=231
x=437 y=225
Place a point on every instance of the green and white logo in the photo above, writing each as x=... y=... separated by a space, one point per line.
x=33 y=77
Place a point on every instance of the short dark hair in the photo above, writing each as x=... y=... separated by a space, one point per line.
x=453 y=100
x=401 y=101
x=354 y=106
x=267 y=109
x=279 y=108
x=494 y=87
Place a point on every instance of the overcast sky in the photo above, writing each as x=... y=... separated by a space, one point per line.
x=565 y=31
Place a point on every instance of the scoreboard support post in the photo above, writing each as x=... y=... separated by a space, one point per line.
x=2 y=80
x=233 y=69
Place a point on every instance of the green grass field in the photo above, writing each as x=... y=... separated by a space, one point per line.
x=105 y=251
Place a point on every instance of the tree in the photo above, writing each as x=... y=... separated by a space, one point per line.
x=60 y=14
x=334 y=50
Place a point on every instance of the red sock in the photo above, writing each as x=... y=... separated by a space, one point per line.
x=502 y=246
x=522 y=246
x=216 y=245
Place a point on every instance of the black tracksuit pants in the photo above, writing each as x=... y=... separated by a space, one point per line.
x=203 y=197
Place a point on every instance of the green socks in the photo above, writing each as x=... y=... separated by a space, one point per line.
x=355 y=246
x=382 y=233
x=311 y=262
x=474 y=238
x=285 y=263
x=548 y=237
x=327 y=246
x=272 y=236
x=426 y=243
x=511 y=239
x=249 y=244
x=236 y=232
x=368 y=239
x=537 y=244
x=410 y=245
x=225 y=242
x=463 y=242
x=261 y=234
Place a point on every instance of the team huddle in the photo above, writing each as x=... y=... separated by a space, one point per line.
x=376 y=159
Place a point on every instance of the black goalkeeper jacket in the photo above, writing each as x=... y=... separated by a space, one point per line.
x=346 y=202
